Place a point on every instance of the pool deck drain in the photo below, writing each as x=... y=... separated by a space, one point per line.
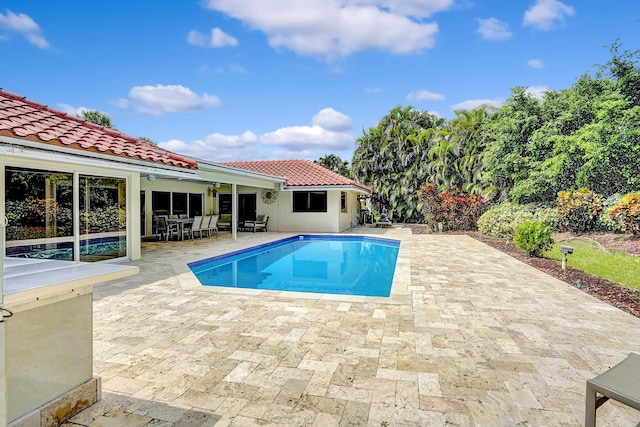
x=469 y=336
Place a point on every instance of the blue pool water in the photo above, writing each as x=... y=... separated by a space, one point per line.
x=347 y=265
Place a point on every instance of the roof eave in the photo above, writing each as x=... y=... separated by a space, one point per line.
x=325 y=188
x=139 y=165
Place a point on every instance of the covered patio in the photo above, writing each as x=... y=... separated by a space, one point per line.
x=469 y=336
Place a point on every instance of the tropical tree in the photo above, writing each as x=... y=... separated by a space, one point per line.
x=335 y=164
x=507 y=155
x=392 y=158
x=96 y=117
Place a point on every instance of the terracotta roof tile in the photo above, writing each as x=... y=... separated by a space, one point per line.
x=37 y=122
x=298 y=173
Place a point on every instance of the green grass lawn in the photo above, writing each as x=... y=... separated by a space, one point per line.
x=590 y=258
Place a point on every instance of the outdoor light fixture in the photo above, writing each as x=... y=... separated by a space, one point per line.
x=151 y=177
x=565 y=250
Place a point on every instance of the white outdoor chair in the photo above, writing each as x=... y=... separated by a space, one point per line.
x=213 y=225
x=198 y=220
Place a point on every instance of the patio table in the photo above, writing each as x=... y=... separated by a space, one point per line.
x=181 y=222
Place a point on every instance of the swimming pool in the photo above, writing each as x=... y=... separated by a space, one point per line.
x=345 y=265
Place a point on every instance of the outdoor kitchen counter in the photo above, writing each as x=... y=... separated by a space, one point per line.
x=48 y=339
x=29 y=282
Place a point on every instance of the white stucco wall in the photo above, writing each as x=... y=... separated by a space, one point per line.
x=332 y=221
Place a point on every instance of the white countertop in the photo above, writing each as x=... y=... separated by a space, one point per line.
x=28 y=279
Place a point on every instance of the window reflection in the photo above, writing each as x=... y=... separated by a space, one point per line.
x=39 y=210
x=40 y=214
x=103 y=218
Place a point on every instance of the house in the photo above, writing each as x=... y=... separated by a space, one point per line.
x=311 y=199
x=78 y=191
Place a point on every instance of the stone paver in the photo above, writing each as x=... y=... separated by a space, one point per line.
x=469 y=337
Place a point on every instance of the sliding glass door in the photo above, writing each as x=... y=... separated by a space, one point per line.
x=42 y=208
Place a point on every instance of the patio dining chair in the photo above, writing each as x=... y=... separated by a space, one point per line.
x=164 y=230
x=198 y=221
x=187 y=227
x=213 y=225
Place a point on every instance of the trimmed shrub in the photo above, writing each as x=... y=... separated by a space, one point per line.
x=605 y=222
x=578 y=211
x=501 y=221
x=626 y=214
x=533 y=237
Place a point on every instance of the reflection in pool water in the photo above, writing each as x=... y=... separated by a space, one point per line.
x=348 y=265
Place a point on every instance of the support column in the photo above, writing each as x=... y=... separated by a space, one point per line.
x=234 y=211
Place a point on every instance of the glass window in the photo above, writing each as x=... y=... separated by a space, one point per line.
x=179 y=203
x=168 y=203
x=309 y=201
x=343 y=201
x=225 y=203
x=103 y=218
x=39 y=210
x=195 y=204
x=161 y=202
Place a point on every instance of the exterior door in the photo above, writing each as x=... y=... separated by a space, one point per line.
x=247 y=207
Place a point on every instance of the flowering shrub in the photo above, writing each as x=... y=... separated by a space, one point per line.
x=626 y=214
x=578 y=211
x=533 y=237
x=454 y=209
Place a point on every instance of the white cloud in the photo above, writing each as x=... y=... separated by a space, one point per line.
x=196 y=38
x=160 y=99
x=537 y=91
x=327 y=135
x=474 y=103
x=330 y=119
x=424 y=95
x=546 y=13
x=24 y=25
x=336 y=29
x=494 y=29
x=535 y=63
x=414 y=8
x=218 y=38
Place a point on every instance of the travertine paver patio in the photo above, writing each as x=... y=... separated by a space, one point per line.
x=469 y=337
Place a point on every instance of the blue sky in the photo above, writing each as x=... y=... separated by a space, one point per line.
x=231 y=80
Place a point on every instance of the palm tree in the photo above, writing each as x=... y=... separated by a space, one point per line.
x=335 y=163
x=391 y=158
x=96 y=117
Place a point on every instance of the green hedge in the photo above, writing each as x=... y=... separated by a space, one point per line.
x=502 y=220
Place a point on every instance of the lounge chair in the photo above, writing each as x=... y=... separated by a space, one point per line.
x=224 y=222
x=259 y=224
